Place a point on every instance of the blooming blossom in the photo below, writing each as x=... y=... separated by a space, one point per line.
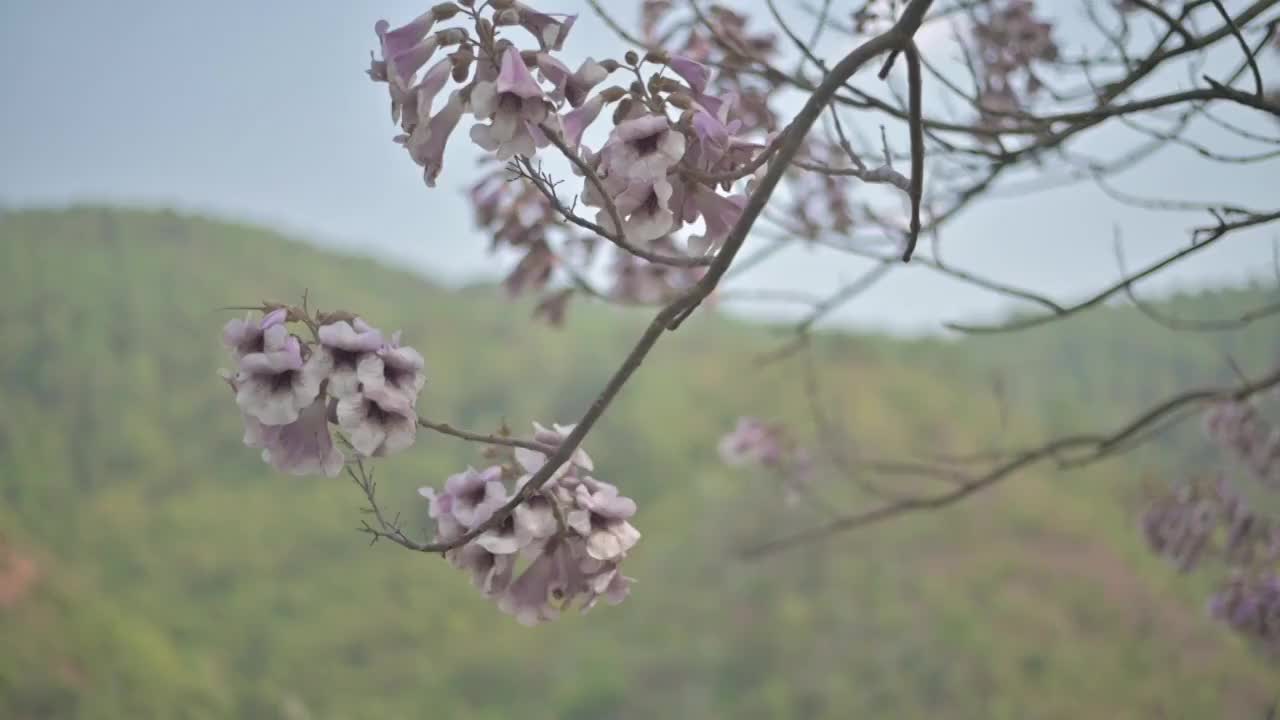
x=271 y=385
x=643 y=148
x=515 y=105
x=343 y=344
x=378 y=421
x=395 y=368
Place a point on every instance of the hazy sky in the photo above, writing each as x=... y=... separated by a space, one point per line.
x=261 y=110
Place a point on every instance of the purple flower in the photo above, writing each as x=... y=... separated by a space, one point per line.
x=395 y=368
x=532 y=460
x=601 y=519
x=514 y=104
x=406 y=49
x=475 y=495
x=752 y=441
x=720 y=215
x=646 y=210
x=429 y=152
x=303 y=447
x=548 y=584
x=502 y=539
x=271 y=385
x=342 y=346
x=572 y=86
x=440 y=510
x=378 y=421
x=416 y=103
x=550 y=30
x=693 y=72
x=403 y=38
x=576 y=121
x=490 y=573
x=610 y=584
x=535 y=520
x=244 y=337
x=643 y=148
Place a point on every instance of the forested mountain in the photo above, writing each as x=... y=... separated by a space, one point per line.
x=153 y=567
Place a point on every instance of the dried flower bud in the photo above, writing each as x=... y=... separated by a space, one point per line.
x=484 y=29
x=680 y=100
x=623 y=109
x=462 y=60
x=510 y=16
x=502 y=4
x=451 y=36
x=631 y=57
x=637 y=89
x=610 y=65
x=444 y=11
x=335 y=316
x=613 y=93
x=657 y=56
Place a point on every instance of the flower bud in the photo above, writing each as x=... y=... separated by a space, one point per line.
x=510 y=16
x=623 y=109
x=462 y=60
x=657 y=56
x=680 y=100
x=444 y=11
x=502 y=4
x=613 y=93
x=631 y=57
x=484 y=29
x=451 y=36
x=610 y=65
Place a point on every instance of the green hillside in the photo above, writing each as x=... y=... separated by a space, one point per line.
x=166 y=573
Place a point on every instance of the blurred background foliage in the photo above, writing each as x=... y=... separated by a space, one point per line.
x=152 y=567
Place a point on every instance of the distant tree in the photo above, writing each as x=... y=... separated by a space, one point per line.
x=654 y=201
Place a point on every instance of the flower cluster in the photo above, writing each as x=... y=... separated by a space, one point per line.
x=770 y=446
x=1009 y=39
x=563 y=545
x=1178 y=526
x=290 y=390
x=1250 y=605
x=679 y=142
x=1240 y=429
x=1211 y=519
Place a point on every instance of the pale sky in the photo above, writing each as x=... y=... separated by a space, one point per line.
x=261 y=111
